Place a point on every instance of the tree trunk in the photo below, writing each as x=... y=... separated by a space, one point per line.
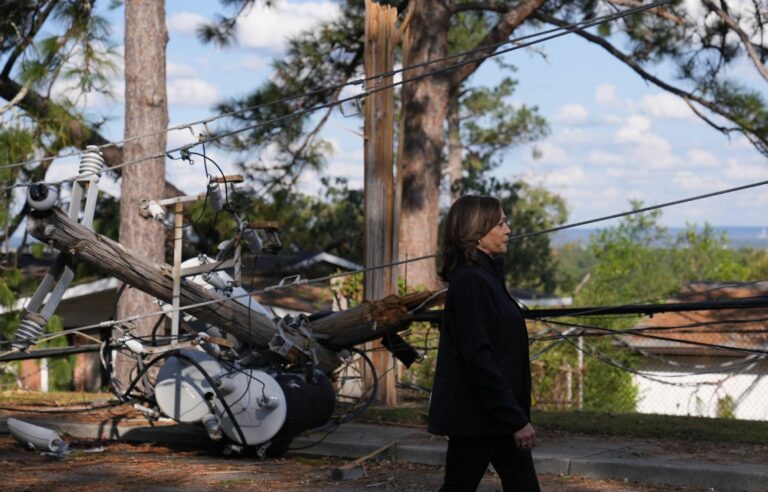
x=425 y=105
x=146 y=111
x=455 y=148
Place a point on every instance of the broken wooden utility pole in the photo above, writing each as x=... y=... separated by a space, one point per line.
x=55 y=228
x=369 y=321
x=381 y=37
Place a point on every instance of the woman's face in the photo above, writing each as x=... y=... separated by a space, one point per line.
x=496 y=240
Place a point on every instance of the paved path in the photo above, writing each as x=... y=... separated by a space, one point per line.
x=614 y=459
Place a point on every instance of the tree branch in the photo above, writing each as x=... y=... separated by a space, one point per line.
x=15 y=100
x=500 y=32
x=760 y=143
x=27 y=39
x=79 y=134
x=730 y=22
x=659 y=11
x=488 y=5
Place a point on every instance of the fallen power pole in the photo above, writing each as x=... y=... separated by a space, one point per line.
x=366 y=322
x=61 y=232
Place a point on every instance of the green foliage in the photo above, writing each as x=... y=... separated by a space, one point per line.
x=331 y=222
x=608 y=388
x=350 y=287
x=492 y=124
x=574 y=266
x=329 y=55
x=636 y=261
x=726 y=407
x=59 y=368
x=639 y=261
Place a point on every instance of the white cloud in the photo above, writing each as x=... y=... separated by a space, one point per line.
x=701 y=157
x=549 y=153
x=603 y=158
x=572 y=114
x=607 y=95
x=692 y=181
x=176 y=70
x=186 y=22
x=564 y=177
x=611 y=119
x=644 y=147
x=252 y=62
x=745 y=172
x=740 y=142
x=178 y=138
x=570 y=135
x=270 y=27
x=665 y=105
x=192 y=92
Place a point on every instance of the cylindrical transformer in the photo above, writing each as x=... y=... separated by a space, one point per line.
x=262 y=404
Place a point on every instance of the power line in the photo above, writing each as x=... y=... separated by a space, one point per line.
x=549 y=34
x=658 y=337
x=641 y=210
x=618 y=365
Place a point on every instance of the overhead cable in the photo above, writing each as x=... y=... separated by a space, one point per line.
x=658 y=337
x=556 y=32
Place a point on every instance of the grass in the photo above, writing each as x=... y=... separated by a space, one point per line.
x=606 y=424
x=603 y=424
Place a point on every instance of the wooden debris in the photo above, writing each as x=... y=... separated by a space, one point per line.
x=356 y=469
x=372 y=320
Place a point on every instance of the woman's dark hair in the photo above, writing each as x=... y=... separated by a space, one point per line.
x=469 y=219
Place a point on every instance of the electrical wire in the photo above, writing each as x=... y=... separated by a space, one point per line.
x=550 y=34
x=356 y=97
x=656 y=337
x=595 y=311
x=618 y=365
x=113 y=323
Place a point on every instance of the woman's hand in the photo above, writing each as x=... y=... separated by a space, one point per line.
x=525 y=438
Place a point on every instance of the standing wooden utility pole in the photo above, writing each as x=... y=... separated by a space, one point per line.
x=146 y=112
x=381 y=37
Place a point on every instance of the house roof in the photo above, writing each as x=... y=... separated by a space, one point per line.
x=741 y=328
x=291 y=262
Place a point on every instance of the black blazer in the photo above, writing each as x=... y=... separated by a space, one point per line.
x=483 y=376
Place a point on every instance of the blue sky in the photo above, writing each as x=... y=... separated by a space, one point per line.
x=614 y=137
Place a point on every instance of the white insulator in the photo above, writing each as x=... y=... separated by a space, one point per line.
x=134 y=346
x=269 y=402
x=41 y=196
x=91 y=163
x=37 y=437
x=27 y=333
x=214 y=279
x=213 y=427
x=226 y=386
x=156 y=210
x=253 y=240
x=215 y=196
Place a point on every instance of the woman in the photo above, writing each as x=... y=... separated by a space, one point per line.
x=481 y=397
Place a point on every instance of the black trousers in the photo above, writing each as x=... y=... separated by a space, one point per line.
x=468 y=457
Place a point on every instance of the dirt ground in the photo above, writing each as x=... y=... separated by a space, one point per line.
x=119 y=466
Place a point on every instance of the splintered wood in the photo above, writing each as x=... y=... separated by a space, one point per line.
x=371 y=320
